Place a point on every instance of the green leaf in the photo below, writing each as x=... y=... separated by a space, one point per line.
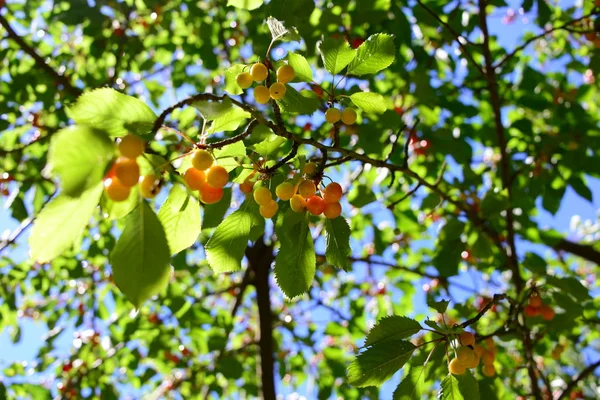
x=439 y=306
x=140 y=259
x=295 y=263
x=369 y=102
x=79 y=155
x=61 y=222
x=301 y=67
x=336 y=54
x=110 y=111
x=376 y=53
x=569 y=285
x=393 y=327
x=468 y=386
x=281 y=32
x=237 y=149
x=337 y=249
x=231 y=85
x=212 y=110
x=581 y=188
x=303 y=102
x=493 y=203
x=246 y=4
x=378 y=363
x=450 y=390
x=229 y=121
x=214 y=213
x=269 y=146
x=180 y=218
x=119 y=209
x=226 y=248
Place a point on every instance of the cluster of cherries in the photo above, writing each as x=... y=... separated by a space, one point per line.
x=301 y=192
x=258 y=73
x=205 y=177
x=125 y=172
x=536 y=307
x=469 y=355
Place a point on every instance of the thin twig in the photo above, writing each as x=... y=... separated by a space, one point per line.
x=541 y=35
x=456 y=36
x=582 y=375
x=39 y=60
x=495 y=300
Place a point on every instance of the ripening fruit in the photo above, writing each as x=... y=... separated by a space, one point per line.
x=465 y=355
x=262 y=195
x=194 y=178
x=261 y=94
x=244 y=80
x=115 y=190
x=210 y=194
x=489 y=370
x=285 y=191
x=348 y=116
x=128 y=171
x=131 y=146
x=473 y=363
x=202 y=159
x=488 y=357
x=297 y=203
x=535 y=301
x=307 y=188
x=547 y=312
x=466 y=339
x=489 y=342
x=332 y=210
x=277 y=91
x=269 y=209
x=315 y=205
x=333 y=115
x=285 y=73
x=532 y=311
x=259 y=72
x=332 y=193
x=310 y=168
x=150 y=186
x=478 y=349
x=217 y=176
x=456 y=367
x=247 y=186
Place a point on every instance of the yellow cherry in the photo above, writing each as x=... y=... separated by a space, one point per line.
x=285 y=73
x=333 y=115
x=244 y=80
x=262 y=94
x=259 y=72
x=277 y=91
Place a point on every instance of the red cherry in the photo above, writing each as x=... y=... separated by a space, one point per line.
x=357 y=42
x=67 y=366
x=307 y=126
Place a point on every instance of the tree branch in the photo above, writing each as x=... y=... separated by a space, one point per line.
x=578 y=379
x=495 y=300
x=541 y=35
x=260 y=257
x=585 y=251
x=61 y=79
x=501 y=139
x=457 y=37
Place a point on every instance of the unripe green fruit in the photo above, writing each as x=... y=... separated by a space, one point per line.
x=348 y=116
x=285 y=191
x=202 y=160
x=333 y=115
